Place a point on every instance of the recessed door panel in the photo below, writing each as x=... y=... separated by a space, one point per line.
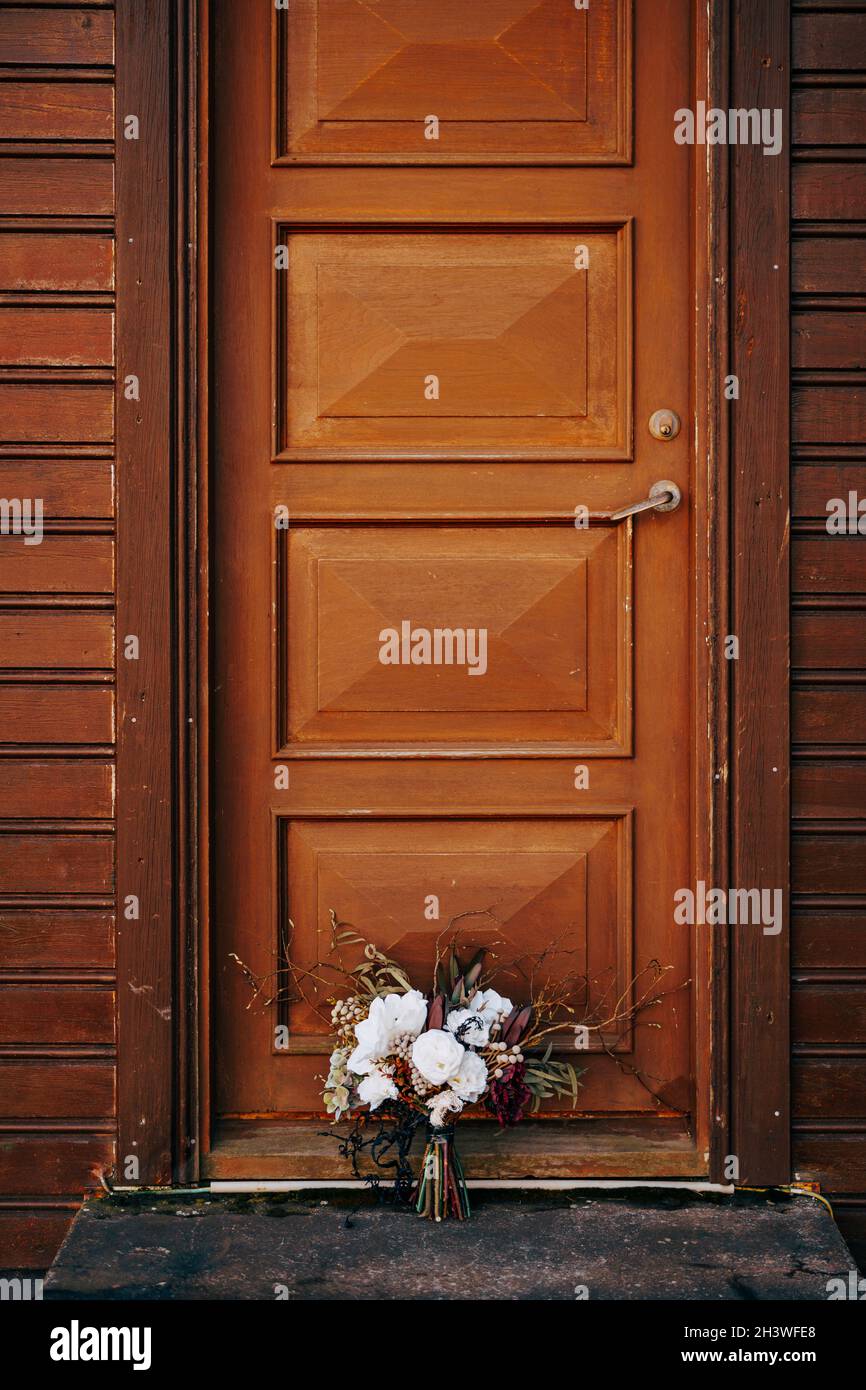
x=403 y=636
x=401 y=342
x=358 y=81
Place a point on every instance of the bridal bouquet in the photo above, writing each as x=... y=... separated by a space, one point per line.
x=404 y=1059
x=429 y=1059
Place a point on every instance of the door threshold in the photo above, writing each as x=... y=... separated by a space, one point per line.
x=622 y=1148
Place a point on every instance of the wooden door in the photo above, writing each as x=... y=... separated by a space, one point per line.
x=451 y=283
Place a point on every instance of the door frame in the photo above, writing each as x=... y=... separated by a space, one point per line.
x=741 y=733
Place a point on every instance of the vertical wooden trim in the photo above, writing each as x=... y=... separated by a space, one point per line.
x=144 y=528
x=710 y=569
x=189 y=561
x=760 y=821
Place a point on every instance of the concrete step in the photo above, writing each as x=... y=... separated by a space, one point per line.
x=631 y=1244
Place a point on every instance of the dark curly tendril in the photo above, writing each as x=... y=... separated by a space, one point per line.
x=387 y=1139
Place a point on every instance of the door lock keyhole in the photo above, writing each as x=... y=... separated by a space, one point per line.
x=664 y=424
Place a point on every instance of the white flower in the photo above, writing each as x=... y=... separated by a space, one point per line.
x=470 y=1027
x=376 y=1087
x=469 y=1080
x=492 y=1007
x=405 y=1013
x=440 y=1106
x=390 y=1017
x=372 y=1042
x=437 y=1055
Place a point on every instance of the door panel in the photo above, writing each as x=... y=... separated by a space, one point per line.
x=406 y=342
x=554 y=666
x=435 y=371
x=507 y=79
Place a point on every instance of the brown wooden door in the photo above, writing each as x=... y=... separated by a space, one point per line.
x=433 y=341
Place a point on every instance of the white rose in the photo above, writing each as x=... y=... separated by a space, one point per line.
x=437 y=1055
x=372 y=1039
x=469 y=1080
x=441 y=1105
x=471 y=1028
x=405 y=1013
x=376 y=1087
x=491 y=1006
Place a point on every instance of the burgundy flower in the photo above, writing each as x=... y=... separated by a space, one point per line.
x=508 y=1095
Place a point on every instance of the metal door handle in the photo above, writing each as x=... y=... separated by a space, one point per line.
x=664 y=496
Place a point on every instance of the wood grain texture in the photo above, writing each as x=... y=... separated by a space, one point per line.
x=56 y=1089
x=760 y=751
x=54 y=938
x=56 y=261
x=36 y=110
x=56 y=186
x=56 y=789
x=57 y=37
x=70 y=488
x=39 y=639
x=144 y=687
x=829 y=264
x=56 y=624
x=829 y=42
x=46 y=1014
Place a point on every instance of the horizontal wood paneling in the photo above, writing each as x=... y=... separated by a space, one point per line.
x=68 y=337
x=56 y=186
x=826 y=192
x=828 y=863
x=56 y=788
x=39 y=110
x=70 y=37
x=44 y=1014
x=59 y=565
x=56 y=714
x=54 y=1165
x=56 y=261
x=57 y=848
x=828 y=713
x=829 y=265
x=814 y=485
x=828 y=617
x=829 y=639
x=829 y=116
x=69 y=488
x=828 y=414
x=836 y=1161
x=56 y=939
x=31 y=1237
x=56 y=413
x=829 y=938
x=828 y=42
x=829 y=338
x=828 y=1088
x=831 y=789
x=56 y=863
x=56 y=1089
x=828 y=565
x=829 y=1012
x=45 y=639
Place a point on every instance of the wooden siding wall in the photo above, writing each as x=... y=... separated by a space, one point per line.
x=828 y=615
x=57 y=1014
